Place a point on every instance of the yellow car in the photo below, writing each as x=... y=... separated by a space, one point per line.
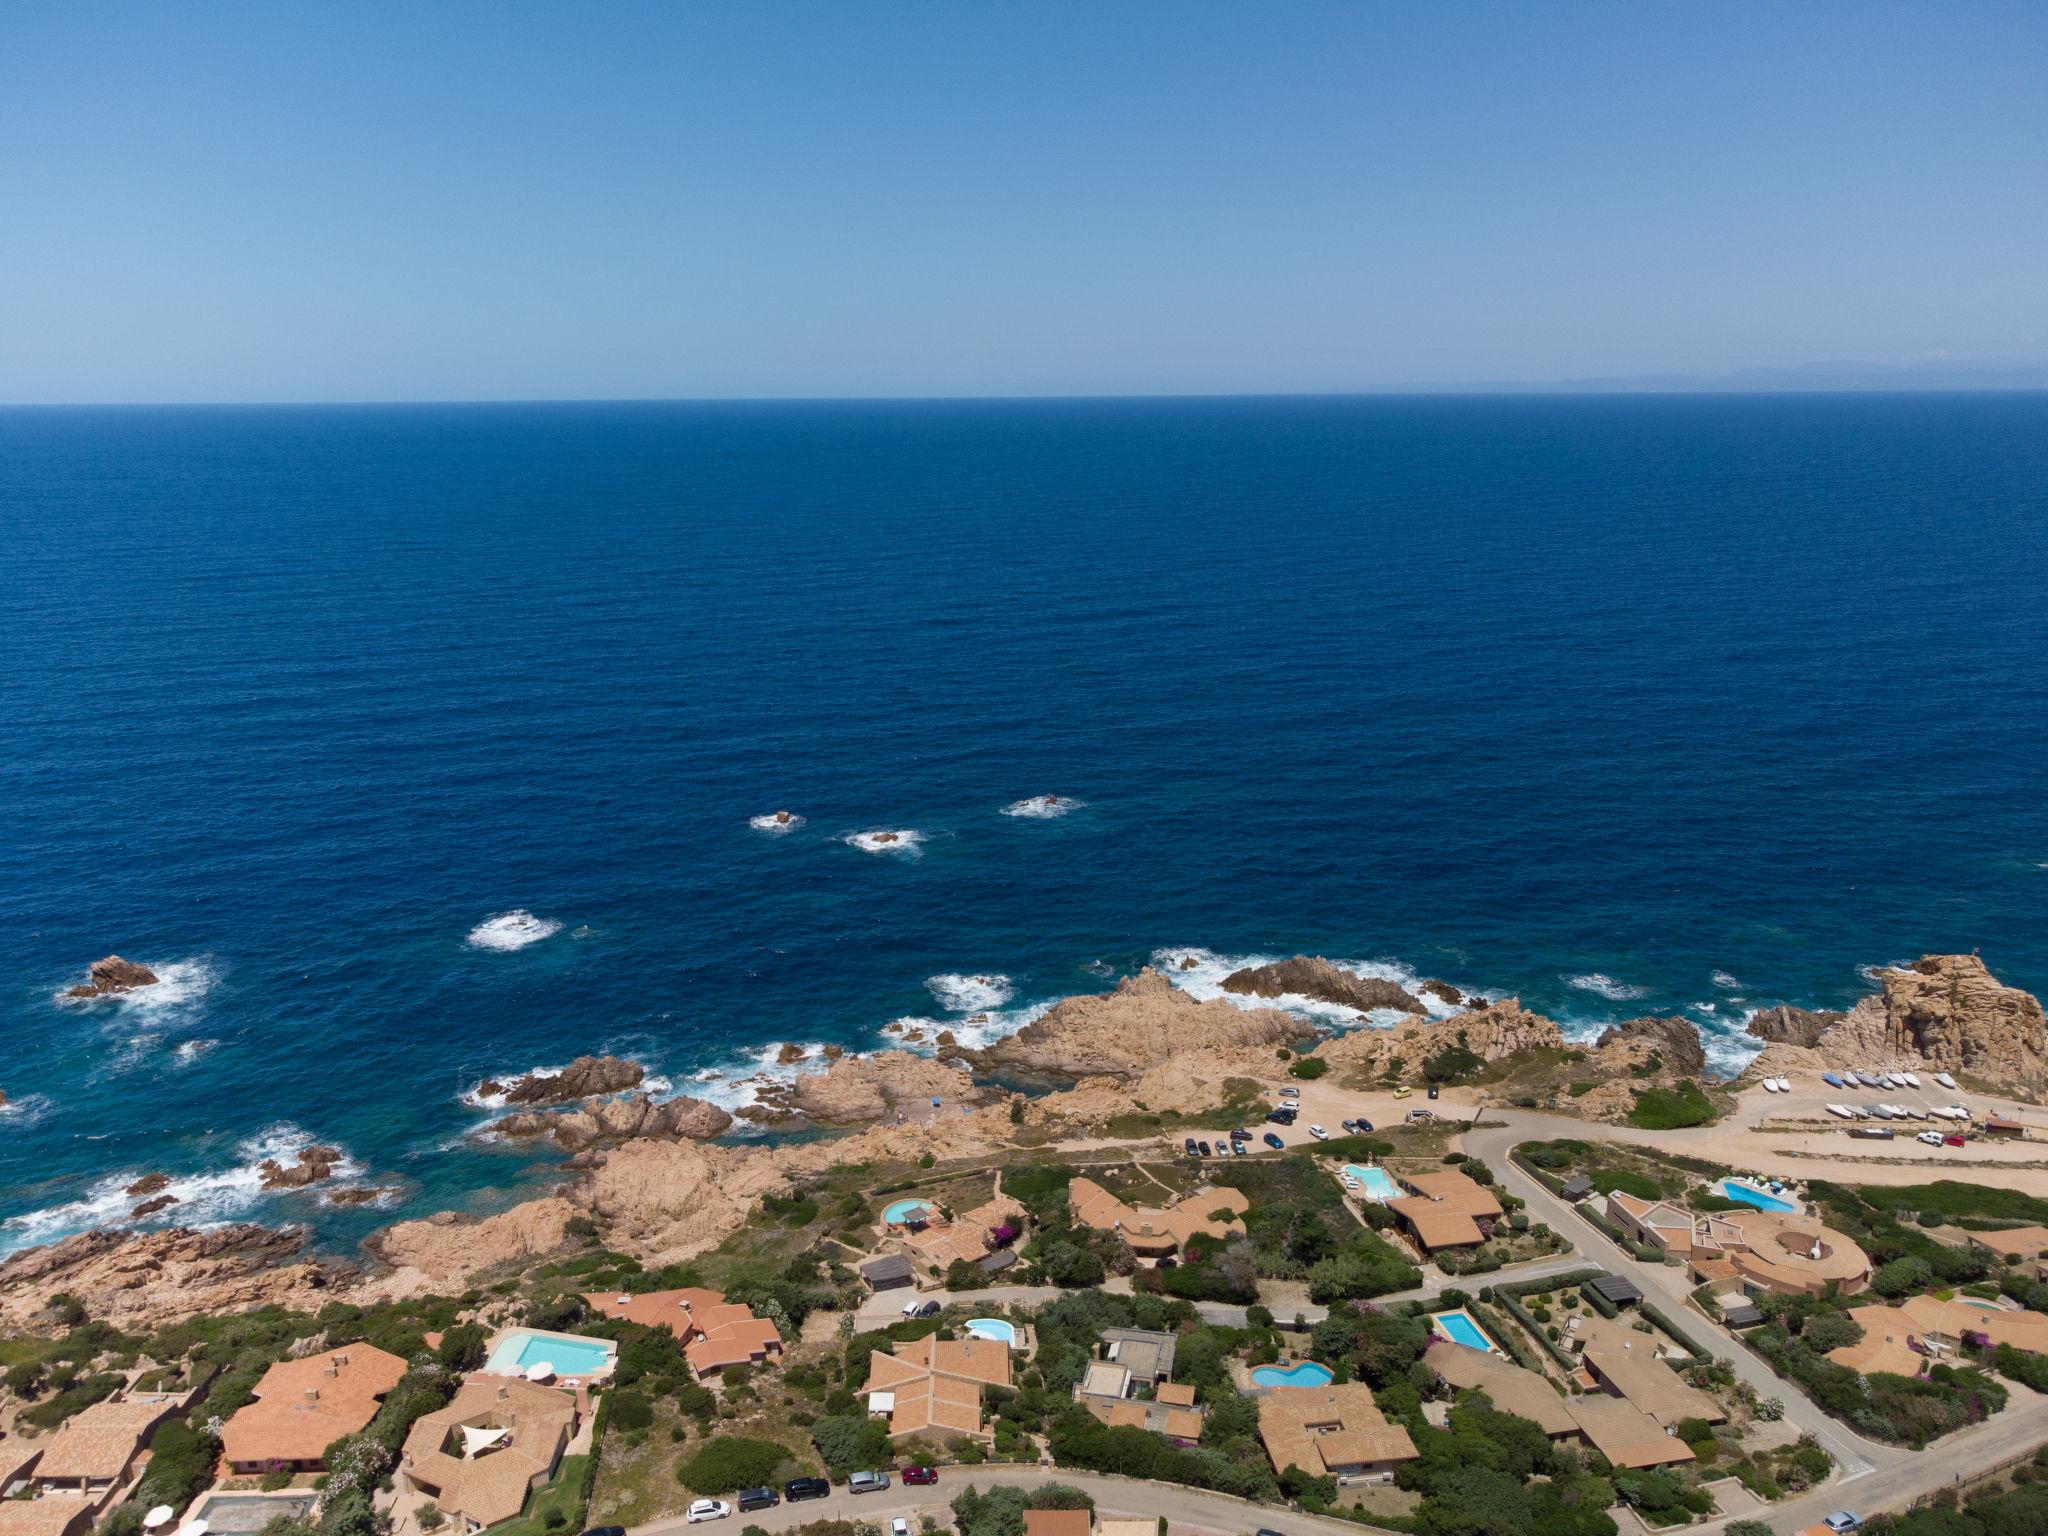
x=1403 y=1091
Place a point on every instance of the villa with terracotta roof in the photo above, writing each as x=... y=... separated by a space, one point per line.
x=497 y=1440
x=1628 y=1432
x=1781 y=1251
x=941 y=1242
x=1060 y=1522
x=714 y=1333
x=1159 y=1232
x=1656 y=1222
x=2013 y=1243
x=1335 y=1431
x=1512 y=1389
x=934 y=1386
x=1650 y=1385
x=304 y=1406
x=1899 y=1339
x=1624 y=1434
x=57 y=1514
x=1111 y=1388
x=1446 y=1210
x=93 y=1451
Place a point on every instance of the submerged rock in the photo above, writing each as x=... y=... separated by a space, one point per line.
x=1443 y=990
x=312 y=1166
x=112 y=976
x=148 y=1184
x=151 y=1207
x=1312 y=976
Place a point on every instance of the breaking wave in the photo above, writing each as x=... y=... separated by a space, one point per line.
x=903 y=840
x=1601 y=985
x=202 y=1199
x=1201 y=972
x=1043 y=807
x=970 y=994
x=512 y=930
x=1725 y=981
x=30 y=1109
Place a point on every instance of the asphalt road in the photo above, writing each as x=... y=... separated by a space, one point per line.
x=1112 y=1495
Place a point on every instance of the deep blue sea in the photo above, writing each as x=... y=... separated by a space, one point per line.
x=1621 y=704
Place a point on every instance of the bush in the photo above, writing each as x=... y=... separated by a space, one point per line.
x=462 y=1347
x=1825 y=1331
x=1308 y=1068
x=1902 y=1277
x=629 y=1410
x=729 y=1462
x=850 y=1443
x=1671 y=1109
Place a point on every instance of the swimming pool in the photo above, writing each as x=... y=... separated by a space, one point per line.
x=244 y=1514
x=1459 y=1328
x=1305 y=1374
x=1378 y=1183
x=520 y=1350
x=1749 y=1194
x=992 y=1328
x=904 y=1210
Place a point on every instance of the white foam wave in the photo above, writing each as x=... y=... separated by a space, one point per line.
x=776 y=823
x=512 y=930
x=1726 y=982
x=1201 y=973
x=976 y=1032
x=30 y=1109
x=202 y=1199
x=1043 y=807
x=1602 y=985
x=970 y=994
x=1874 y=974
x=189 y=1051
x=736 y=1083
x=903 y=840
x=181 y=986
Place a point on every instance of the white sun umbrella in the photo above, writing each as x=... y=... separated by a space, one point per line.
x=192 y=1528
x=160 y=1516
x=540 y=1370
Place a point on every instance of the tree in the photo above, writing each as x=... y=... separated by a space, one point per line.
x=1902 y=1277
x=849 y=1443
x=462 y=1347
x=728 y=1462
x=1825 y=1331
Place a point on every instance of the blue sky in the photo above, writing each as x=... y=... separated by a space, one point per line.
x=293 y=202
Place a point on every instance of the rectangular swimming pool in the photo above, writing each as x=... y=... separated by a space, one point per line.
x=1749 y=1194
x=244 y=1514
x=564 y=1353
x=1459 y=1328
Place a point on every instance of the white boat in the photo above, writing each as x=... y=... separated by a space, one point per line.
x=1917 y=1114
x=1944 y=1079
x=1843 y=1110
x=1770 y=1085
x=1911 y=1080
x=1890 y=1080
x=1882 y=1111
x=1784 y=1084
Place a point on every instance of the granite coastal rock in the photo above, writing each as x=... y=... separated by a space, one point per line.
x=607 y=1121
x=112 y=976
x=1646 y=1047
x=1144 y=1022
x=313 y=1165
x=143 y=1280
x=1947 y=1013
x=586 y=1077
x=1492 y=1033
x=884 y=1085
x=1313 y=977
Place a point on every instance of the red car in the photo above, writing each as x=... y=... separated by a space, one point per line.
x=919 y=1477
x=1953 y=1141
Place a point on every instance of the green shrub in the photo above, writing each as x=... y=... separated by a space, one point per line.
x=729 y=1462
x=1671 y=1109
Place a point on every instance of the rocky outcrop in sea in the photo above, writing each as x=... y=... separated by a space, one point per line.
x=857 y=1089
x=607 y=1121
x=584 y=1078
x=112 y=976
x=1313 y=977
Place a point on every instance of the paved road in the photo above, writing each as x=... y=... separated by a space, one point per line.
x=1112 y=1495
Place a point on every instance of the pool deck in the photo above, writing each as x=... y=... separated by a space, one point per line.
x=501 y=1358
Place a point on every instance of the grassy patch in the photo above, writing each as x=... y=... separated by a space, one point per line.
x=1963 y=1204
x=1671 y=1109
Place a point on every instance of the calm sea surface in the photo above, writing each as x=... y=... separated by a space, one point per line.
x=1625 y=705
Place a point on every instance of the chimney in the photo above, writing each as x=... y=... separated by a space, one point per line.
x=312 y=1394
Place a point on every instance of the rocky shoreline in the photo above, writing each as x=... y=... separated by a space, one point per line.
x=651 y=1177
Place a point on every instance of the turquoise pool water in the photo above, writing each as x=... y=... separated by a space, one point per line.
x=1306 y=1374
x=1749 y=1194
x=1377 y=1182
x=903 y=1210
x=1459 y=1328
x=523 y=1348
x=992 y=1328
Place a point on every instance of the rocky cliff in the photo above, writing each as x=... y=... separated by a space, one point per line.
x=585 y=1077
x=1313 y=977
x=445 y=1247
x=1792 y=1026
x=143 y=1280
x=1651 y=1047
x=1492 y=1033
x=1144 y=1022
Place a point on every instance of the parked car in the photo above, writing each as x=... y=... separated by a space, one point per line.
x=1403 y=1091
x=1290 y=1093
x=757 y=1498
x=1953 y=1141
x=797 y=1489
x=1842 y=1520
x=919 y=1477
x=1432 y=1090
x=606 y=1530
x=921 y=1309
x=1204 y=1147
x=1275 y=1142
x=1279 y=1117
x=1364 y=1127
x=707 y=1509
x=899 y=1527
x=1929 y=1138
x=867 y=1482
x=1240 y=1134
x=1415 y=1115
x=1318 y=1132
x=1188 y=1146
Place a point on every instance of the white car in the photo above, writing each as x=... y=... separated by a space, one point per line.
x=1319 y=1133
x=899 y=1527
x=1932 y=1138
x=708 y=1509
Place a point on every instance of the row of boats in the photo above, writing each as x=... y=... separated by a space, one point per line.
x=1899 y=1112
x=1881 y=1079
